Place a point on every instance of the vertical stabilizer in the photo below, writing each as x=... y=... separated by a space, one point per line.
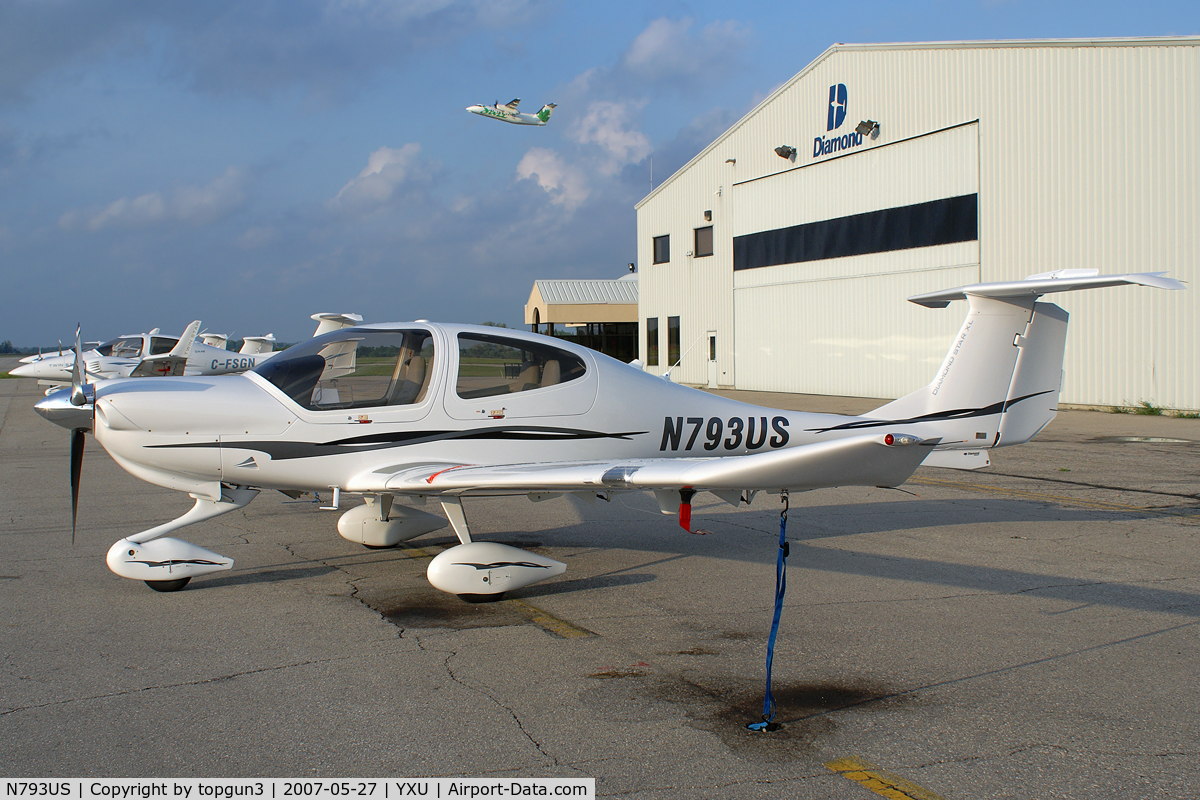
x=967 y=395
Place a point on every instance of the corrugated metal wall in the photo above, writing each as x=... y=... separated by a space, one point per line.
x=1084 y=159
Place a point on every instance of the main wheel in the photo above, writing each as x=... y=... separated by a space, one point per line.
x=482 y=598
x=168 y=586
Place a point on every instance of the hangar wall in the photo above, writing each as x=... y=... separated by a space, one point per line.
x=1077 y=155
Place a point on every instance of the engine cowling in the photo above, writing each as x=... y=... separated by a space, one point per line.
x=483 y=568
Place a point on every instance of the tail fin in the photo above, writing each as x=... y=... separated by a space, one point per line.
x=547 y=110
x=253 y=345
x=998 y=384
x=172 y=363
x=334 y=322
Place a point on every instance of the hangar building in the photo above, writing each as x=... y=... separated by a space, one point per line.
x=780 y=257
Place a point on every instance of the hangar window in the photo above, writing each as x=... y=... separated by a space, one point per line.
x=652 y=341
x=672 y=341
x=704 y=241
x=491 y=365
x=662 y=249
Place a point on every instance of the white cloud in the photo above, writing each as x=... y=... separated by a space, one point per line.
x=386 y=169
x=667 y=51
x=190 y=205
x=607 y=124
x=566 y=184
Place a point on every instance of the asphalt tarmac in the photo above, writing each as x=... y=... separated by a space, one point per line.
x=1028 y=630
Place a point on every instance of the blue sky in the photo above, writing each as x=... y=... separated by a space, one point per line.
x=250 y=164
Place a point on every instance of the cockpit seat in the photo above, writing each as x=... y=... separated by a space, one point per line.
x=410 y=384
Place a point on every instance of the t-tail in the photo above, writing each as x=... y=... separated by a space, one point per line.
x=547 y=110
x=999 y=382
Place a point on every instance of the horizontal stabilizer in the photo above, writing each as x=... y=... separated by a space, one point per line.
x=958 y=459
x=1068 y=280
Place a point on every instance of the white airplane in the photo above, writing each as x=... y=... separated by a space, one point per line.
x=152 y=354
x=509 y=113
x=446 y=412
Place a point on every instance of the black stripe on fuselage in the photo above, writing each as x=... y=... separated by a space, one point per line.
x=282 y=451
x=937 y=416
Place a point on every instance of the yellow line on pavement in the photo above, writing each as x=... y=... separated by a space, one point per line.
x=878 y=781
x=548 y=622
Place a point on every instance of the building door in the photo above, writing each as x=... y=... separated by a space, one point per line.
x=712 y=359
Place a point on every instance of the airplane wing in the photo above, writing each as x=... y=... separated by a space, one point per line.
x=865 y=460
x=171 y=363
x=512 y=106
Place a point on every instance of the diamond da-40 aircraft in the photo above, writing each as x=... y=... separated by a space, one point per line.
x=423 y=411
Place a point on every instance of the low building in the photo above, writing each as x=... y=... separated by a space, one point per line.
x=600 y=314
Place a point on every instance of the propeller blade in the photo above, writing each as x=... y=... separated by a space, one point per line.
x=78 y=378
x=77 y=439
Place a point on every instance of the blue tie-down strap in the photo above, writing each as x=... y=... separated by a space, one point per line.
x=768 y=723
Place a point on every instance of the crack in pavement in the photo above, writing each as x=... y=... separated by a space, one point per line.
x=181 y=684
x=496 y=701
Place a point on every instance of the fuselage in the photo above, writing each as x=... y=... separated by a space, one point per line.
x=504 y=115
x=282 y=427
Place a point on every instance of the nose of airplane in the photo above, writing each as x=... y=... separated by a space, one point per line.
x=191 y=406
x=51 y=369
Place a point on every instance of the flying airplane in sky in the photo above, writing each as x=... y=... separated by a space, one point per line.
x=152 y=354
x=424 y=411
x=509 y=113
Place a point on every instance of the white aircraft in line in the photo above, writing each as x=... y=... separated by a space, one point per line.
x=152 y=354
x=509 y=113
x=446 y=412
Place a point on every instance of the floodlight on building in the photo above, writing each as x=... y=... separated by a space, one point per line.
x=786 y=151
x=868 y=127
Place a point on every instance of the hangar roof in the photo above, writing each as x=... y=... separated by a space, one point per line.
x=579 y=301
x=995 y=44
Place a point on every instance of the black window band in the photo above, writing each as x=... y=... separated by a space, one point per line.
x=946 y=221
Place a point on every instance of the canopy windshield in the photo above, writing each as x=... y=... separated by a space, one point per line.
x=355 y=368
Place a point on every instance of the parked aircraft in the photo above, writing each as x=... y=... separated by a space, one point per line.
x=152 y=354
x=509 y=113
x=423 y=410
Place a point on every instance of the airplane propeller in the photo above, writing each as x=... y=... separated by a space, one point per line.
x=81 y=395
